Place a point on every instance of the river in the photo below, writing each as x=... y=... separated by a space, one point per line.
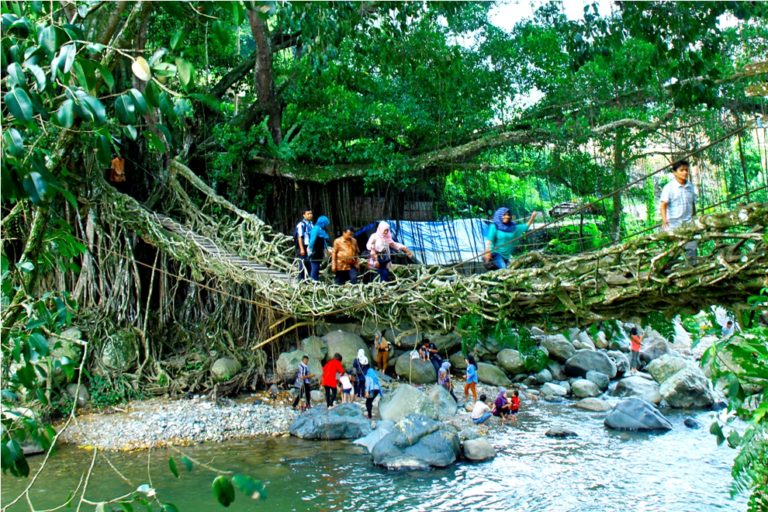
x=600 y=470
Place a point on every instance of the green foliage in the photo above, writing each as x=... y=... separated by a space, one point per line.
x=573 y=239
x=741 y=363
x=471 y=328
x=110 y=391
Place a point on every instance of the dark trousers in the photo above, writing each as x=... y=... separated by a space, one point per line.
x=383 y=273
x=343 y=276
x=304 y=389
x=369 y=401
x=303 y=263
x=437 y=362
x=314 y=272
x=330 y=395
x=360 y=385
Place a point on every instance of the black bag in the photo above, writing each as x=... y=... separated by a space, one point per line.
x=490 y=265
x=383 y=260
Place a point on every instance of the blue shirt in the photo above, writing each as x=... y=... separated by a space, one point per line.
x=471 y=373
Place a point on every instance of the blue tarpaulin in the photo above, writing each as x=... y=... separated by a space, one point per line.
x=442 y=242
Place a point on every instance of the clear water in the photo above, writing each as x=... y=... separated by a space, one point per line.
x=600 y=470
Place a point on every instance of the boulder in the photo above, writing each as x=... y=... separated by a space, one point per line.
x=445 y=405
x=491 y=374
x=620 y=343
x=666 y=366
x=468 y=433
x=559 y=348
x=405 y=400
x=415 y=370
x=458 y=361
x=446 y=343
x=691 y=423
x=382 y=429
x=322 y=328
x=405 y=336
x=543 y=376
x=551 y=390
x=224 y=368
x=594 y=404
x=487 y=348
x=601 y=380
x=583 y=388
x=317 y=396
x=417 y=442
x=557 y=370
x=636 y=414
x=120 y=350
x=687 y=388
x=620 y=360
x=287 y=366
x=584 y=341
x=585 y=360
x=654 y=346
x=511 y=361
x=347 y=344
x=639 y=387
x=345 y=421
x=314 y=347
x=559 y=432
x=564 y=384
x=601 y=341
x=80 y=394
x=478 y=449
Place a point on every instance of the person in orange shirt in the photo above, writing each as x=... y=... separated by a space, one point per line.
x=331 y=372
x=636 y=342
x=344 y=257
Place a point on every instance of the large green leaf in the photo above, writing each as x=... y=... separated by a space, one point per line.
x=39 y=75
x=19 y=104
x=35 y=187
x=65 y=116
x=103 y=150
x=125 y=109
x=106 y=75
x=185 y=71
x=223 y=490
x=139 y=101
x=13 y=142
x=254 y=489
x=48 y=40
x=94 y=106
x=16 y=75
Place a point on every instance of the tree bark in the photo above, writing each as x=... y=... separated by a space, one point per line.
x=265 y=84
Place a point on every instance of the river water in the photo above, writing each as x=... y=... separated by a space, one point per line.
x=600 y=470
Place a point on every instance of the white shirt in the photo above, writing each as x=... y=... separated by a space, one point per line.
x=345 y=383
x=479 y=409
x=680 y=200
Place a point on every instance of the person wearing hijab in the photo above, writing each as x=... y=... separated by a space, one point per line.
x=503 y=236
x=318 y=246
x=360 y=364
x=372 y=390
x=444 y=378
x=379 y=246
x=501 y=405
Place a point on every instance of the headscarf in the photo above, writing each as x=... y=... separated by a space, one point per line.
x=371 y=374
x=319 y=230
x=500 y=225
x=361 y=357
x=386 y=237
x=502 y=394
x=446 y=365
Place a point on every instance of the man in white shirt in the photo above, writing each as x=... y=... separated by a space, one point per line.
x=301 y=236
x=678 y=204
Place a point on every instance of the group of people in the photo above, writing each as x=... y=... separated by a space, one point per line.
x=313 y=244
x=506 y=405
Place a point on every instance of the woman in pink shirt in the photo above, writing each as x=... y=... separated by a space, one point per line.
x=379 y=246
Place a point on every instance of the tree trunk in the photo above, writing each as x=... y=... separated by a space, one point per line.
x=619 y=181
x=265 y=84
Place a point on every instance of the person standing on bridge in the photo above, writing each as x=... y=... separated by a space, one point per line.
x=344 y=257
x=379 y=246
x=678 y=205
x=318 y=246
x=503 y=236
x=301 y=238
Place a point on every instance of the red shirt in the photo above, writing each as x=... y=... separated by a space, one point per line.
x=330 y=370
x=636 y=342
x=514 y=403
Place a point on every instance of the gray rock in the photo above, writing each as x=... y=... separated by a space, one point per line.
x=557 y=370
x=585 y=360
x=594 y=404
x=573 y=333
x=383 y=428
x=601 y=341
x=478 y=449
x=511 y=361
x=287 y=366
x=458 y=361
x=445 y=405
x=550 y=390
x=636 y=414
x=314 y=347
x=583 y=388
x=620 y=360
x=537 y=331
x=487 y=348
x=317 y=396
x=490 y=374
x=559 y=432
x=404 y=336
x=224 y=368
x=468 y=434
x=406 y=400
x=417 y=442
x=637 y=386
x=543 y=376
x=345 y=421
x=446 y=343
x=662 y=368
x=120 y=350
x=347 y=344
x=564 y=384
x=559 y=348
x=691 y=423
x=415 y=370
x=583 y=341
x=601 y=380
x=687 y=388
x=654 y=346
x=81 y=395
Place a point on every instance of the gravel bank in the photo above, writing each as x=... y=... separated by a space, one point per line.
x=161 y=422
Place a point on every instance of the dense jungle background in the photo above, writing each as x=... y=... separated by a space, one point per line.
x=361 y=111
